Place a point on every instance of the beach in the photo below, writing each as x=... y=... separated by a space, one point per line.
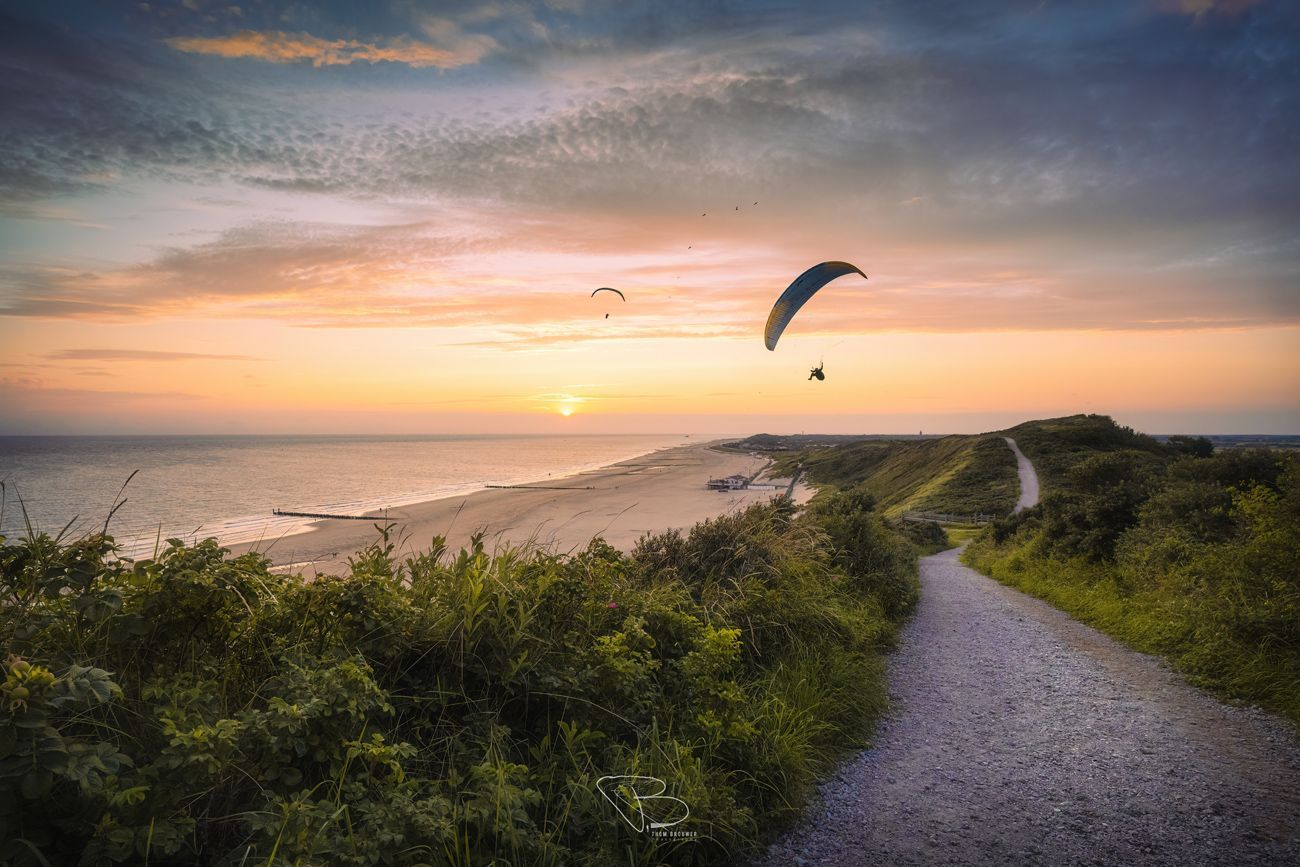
x=620 y=503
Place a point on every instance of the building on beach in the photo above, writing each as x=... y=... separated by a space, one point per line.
x=735 y=482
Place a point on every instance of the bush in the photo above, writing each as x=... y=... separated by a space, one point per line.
x=1098 y=503
x=1199 y=562
x=1197 y=447
x=878 y=562
x=447 y=709
x=927 y=536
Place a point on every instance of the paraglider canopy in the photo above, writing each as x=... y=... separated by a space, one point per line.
x=607 y=289
x=798 y=293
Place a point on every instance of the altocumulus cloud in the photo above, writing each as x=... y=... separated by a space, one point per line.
x=1140 y=155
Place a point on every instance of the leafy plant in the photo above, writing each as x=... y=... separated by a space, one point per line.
x=450 y=708
x=1196 y=558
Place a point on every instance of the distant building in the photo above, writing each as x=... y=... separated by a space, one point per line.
x=730 y=483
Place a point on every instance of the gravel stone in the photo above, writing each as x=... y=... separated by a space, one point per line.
x=1021 y=736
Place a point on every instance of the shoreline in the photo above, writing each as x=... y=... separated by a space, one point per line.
x=242 y=531
x=652 y=492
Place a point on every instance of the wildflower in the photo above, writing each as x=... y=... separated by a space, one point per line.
x=612 y=605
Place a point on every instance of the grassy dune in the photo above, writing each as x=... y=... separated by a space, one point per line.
x=1057 y=445
x=454 y=708
x=461 y=707
x=1196 y=558
x=958 y=474
x=1165 y=546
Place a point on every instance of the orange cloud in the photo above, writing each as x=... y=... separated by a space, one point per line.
x=141 y=355
x=277 y=47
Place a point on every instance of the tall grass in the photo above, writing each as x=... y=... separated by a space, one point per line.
x=955 y=474
x=451 y=708
x=1196 y=559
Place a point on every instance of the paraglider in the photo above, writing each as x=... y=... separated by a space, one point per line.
x=608 y=289
x=798 y=293
x=816 y=372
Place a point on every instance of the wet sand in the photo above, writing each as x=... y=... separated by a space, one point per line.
x=621 y=503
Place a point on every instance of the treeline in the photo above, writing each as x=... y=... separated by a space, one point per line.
x=453 y=708
x=1170 y=547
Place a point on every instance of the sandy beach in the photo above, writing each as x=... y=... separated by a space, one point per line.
x=621 y=502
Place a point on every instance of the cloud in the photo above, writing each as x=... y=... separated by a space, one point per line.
x=526 y=284
x=141 y=355
x=1198 y=9
x=277 y=47
x=37 y=390
x=1157 y=191
x=908 y=109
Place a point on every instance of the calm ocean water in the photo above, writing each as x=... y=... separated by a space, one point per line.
x=226 y=486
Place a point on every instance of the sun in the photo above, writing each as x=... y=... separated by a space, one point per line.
x=565 y=404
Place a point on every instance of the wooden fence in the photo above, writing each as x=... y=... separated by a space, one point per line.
x=947 y=518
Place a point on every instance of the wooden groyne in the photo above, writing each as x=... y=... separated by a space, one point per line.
x=284 y=514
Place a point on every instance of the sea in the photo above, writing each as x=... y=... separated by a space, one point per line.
x=194 y=487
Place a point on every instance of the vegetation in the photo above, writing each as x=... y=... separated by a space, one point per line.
x=1175 y=552
x=954 y=474
x=1056 y=445
x=448 y=709
x=928 y=536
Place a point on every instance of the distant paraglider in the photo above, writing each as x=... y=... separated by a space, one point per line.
x=816 y=372
x=798 y=293
x=608 y=289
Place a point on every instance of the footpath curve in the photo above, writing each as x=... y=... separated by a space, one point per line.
x=1021 y=736
x=1028 y=478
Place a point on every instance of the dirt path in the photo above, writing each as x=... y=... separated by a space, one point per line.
x=1028 y=478
x=1020 y=736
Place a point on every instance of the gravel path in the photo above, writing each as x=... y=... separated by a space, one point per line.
x=1028 y=478
x=1021 y=736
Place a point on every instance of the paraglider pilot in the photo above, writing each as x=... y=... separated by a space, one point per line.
x=816 y=373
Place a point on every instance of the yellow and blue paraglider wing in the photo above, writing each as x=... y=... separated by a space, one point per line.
x=797 y=294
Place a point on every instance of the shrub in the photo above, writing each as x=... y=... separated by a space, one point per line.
x=1199 y=562
x=446 y=709
x=1099 y=502
x=928 y=536
x=877 y=561
x=1198 y=447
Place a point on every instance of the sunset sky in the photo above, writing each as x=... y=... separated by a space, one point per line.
x=261 y=217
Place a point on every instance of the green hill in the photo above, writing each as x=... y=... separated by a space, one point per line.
x=958 y=474
x=1173 y=548
x=1057 y=445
